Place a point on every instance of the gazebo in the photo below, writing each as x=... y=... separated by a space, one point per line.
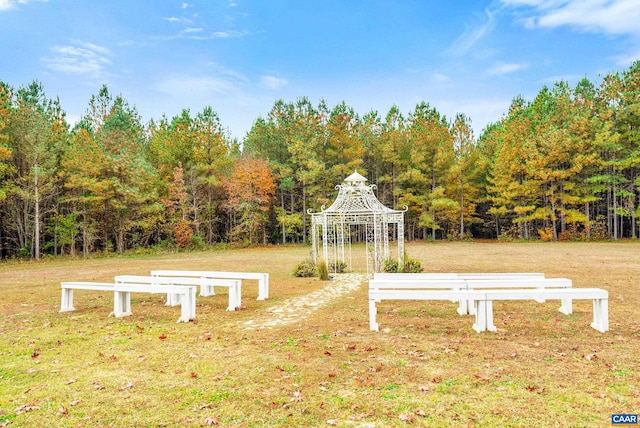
x=356 y=210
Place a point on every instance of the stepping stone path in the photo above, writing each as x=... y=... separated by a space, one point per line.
x=297 y=309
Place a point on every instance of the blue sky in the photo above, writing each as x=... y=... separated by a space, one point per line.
x=240 y=56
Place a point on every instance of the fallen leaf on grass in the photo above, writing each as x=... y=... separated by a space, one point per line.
x=162 y=336
x=420 y=412
x=70 y=381
x=211 y=421
x=332 y=422
x=405 y=417
x=127 y=386
x=63 y=411
x=482 y=376
x=535 y=388
x=28 y=407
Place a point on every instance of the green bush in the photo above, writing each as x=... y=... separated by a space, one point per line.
x=341 y=267
x=390 y=266
x=305 y=269
x=323 y=271
x=412 y=266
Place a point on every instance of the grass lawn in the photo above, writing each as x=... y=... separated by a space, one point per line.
x=426 y=367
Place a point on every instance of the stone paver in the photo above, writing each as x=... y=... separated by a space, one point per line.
x=297 y=309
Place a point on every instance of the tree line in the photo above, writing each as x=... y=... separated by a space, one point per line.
x=564 y=165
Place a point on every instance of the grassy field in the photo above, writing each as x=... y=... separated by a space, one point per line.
x=426 y=367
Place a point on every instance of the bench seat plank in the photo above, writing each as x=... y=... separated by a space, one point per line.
x=261 y=277
x=206 y=284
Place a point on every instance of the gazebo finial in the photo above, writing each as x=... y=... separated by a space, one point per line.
x=355 y=179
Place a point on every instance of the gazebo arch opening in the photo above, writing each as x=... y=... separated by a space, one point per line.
x=357 y=212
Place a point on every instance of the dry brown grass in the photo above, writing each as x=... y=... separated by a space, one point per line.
x=426 y=368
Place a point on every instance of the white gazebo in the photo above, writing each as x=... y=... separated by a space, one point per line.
x=356 y=208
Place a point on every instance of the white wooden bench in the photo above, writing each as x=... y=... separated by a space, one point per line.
x=600 y=297
x=122 y=296
x=483 y=301
x=123 y=290
x=67 y=292
x=206 y=284
x=470 y=282
x=262 y=278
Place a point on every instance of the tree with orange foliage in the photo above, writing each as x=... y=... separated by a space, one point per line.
x=251 y=189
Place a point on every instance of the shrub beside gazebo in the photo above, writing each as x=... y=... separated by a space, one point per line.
x=356 y=209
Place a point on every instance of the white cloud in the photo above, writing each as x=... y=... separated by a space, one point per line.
x=272 y=82
x=10 y=4
x=472 y=35
x=222 y=71
x=192 y=30
x=505 y=68
x=228 y=34
x=604 y=16
x=173 y=19
x=79 y=58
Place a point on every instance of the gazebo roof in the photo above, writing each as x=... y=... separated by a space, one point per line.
x=355 y=196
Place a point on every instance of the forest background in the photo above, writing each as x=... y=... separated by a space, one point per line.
x=563 y=166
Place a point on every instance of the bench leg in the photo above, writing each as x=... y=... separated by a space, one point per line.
x=188 y=306
x=484 y=316
x=566 y=307
x=480 y=307
x=121 y=304
x=373 y=311
x=600 y=315
x=207 y=290
x=234 y=296
x=489 y=316
x=239 y=299
x=67 y=300
x=263 y=288
x=173 y=299
x=462 y=307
